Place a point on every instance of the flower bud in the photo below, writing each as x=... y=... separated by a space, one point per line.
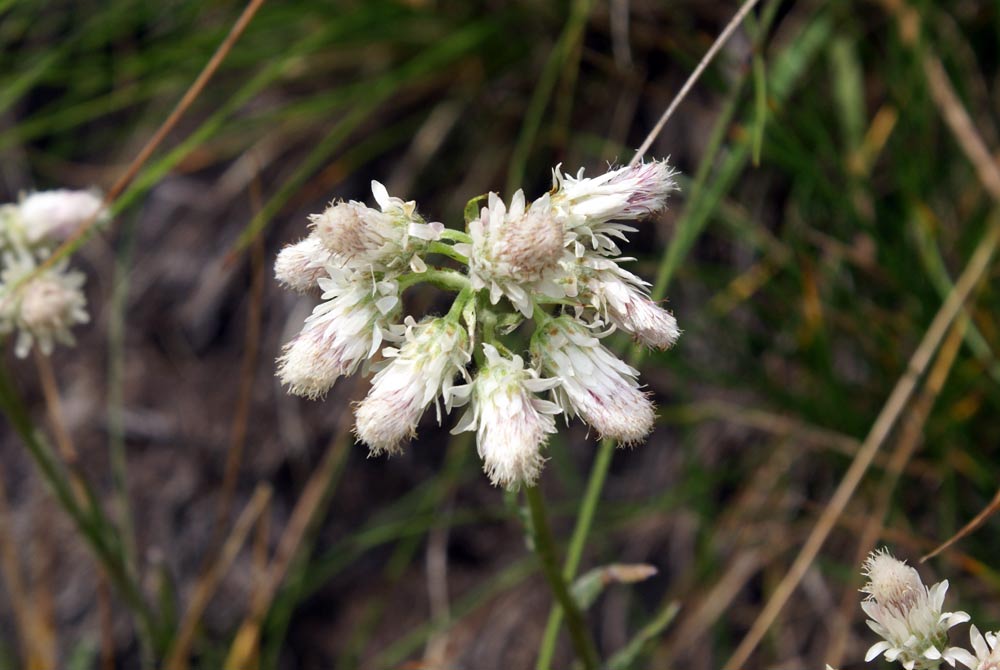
x=342 y=332
x=422 y=369
x=42 y=308
x=594 y=384
x=907 y=615
x=630 y=192
x=300 y=266
x=53 y=216
x=513 y=425
x=621 y=297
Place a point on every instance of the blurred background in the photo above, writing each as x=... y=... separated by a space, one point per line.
x=825 y=213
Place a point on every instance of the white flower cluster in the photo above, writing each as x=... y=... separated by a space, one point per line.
x=908 y=617
x=42 y=304
x=553 y=263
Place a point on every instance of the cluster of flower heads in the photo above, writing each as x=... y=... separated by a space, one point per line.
x=42 y=304
x=908 y=617
x=554 y=262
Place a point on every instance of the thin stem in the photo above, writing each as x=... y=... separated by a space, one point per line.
x=706 y=59
x=446 y=279
x=545 y=547
x=577 y=543
x=447 y=250
x=456 y=235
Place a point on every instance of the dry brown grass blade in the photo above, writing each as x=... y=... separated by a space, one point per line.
x=887 y=418
x=251 y=348
x=161 y=133
x=205 y=588
x=909 y=439
x=243 y=653
x=10 y=569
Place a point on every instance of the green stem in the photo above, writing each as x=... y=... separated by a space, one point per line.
x=447 y=250
x=577 y=543
x=446 y=279
x=456 y=235
x=455 y=313
x=544 y=546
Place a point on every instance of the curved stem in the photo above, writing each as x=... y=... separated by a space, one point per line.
x=456 y=235
x=544 y=546
x=446 y=279
x=447 y=250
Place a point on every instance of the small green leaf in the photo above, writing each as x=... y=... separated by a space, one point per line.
x=589 y=586
x=626 y=656
x=472 y=208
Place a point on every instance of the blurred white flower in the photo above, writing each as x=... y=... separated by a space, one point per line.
x=595 y=385
x=43 y=308
x=512 y=424
x=420 y=371
x=365 y=238
x=53 y=216
x=907 y=615
x=300 y=266
x=511 y=248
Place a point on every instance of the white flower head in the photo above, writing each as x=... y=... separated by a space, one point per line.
x=512 y=424
x=595 y=385
x=621 y=297
x=300 y=266
x=420 y=371
x=511 y=248
x=53 y=216
x=630 y=192
x=342 y=332
x=43 y=308
x=366 y=238
x=907 y=615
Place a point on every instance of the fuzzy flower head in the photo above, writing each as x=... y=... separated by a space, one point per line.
x=53 y=216
x=594 y=384
x=300 y=266
x=621 y=297
x=365 y=238
x=42 y=309
x=907 y=615
x=344 y=330
x=630 y=192
x=511 y=248
x=420 y=371
x=512 y=424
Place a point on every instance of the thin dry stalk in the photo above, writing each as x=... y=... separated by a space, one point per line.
x=909 y=439
x=251 y=348
x=209 y=581
x=10 y=568
x=435 y=651
x=161 y=133
x=975 y=523
x=686 y=88
x=104 y=620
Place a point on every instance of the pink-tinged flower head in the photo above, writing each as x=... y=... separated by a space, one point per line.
x=594 y=384
x=511 y=248
x=53 y=216
x=43 y=308
x=630 y=192
x=907 y=615
x=420 y=371
x=365 y=238
x=512 y=424
x=345 y=330
x=620 y=297
x=300 y=266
